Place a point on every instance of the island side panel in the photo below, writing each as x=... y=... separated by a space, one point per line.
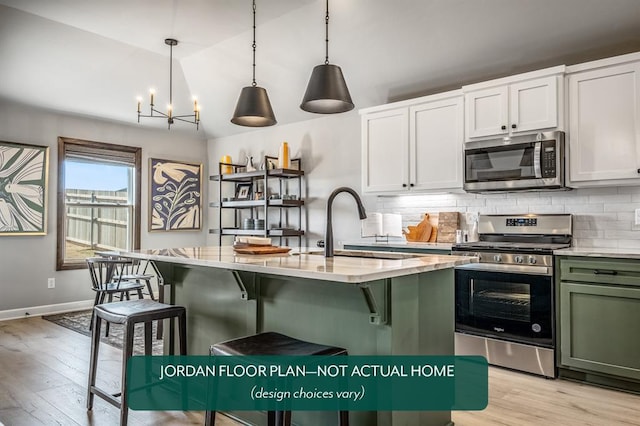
x=423 y=324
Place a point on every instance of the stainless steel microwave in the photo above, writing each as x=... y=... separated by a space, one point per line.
x=533 y=162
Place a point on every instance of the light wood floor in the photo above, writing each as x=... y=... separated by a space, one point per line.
x=43 y=379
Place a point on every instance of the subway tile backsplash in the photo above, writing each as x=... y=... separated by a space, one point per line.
x=602 y=217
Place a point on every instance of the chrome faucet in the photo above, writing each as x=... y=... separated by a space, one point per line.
x=328 y=236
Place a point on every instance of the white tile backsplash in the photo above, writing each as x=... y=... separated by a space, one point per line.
x=602 y=217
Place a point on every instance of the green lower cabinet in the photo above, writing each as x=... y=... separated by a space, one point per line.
x=600 y=271
x=600 y=329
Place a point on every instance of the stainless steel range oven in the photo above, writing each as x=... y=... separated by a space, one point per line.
x=505 y=303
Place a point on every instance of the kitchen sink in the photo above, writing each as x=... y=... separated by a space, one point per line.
x=366 y=254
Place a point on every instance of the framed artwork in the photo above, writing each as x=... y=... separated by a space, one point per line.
x=175 y=195
x=23 y=189
x=243 y=191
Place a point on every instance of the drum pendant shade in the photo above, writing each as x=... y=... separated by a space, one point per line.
x=253 y=108
x=327 y=91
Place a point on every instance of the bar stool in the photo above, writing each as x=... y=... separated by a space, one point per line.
x=129 y=313
x=271 y=343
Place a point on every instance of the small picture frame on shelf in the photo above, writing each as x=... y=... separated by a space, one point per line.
x=295 y=164
x=243 y=191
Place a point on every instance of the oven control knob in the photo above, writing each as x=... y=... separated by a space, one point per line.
x=518 y=259
x=497 y=258
x=532 y=260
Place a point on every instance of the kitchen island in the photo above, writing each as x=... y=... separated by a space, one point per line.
x=403 y=305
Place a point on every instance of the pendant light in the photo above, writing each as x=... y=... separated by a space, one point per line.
x=253 y=108
x=327 y=92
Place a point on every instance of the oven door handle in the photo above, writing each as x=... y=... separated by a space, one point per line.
x=513 y=269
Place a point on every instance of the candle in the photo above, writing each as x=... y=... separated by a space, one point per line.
x=139 y=103
x=152 y=93
x=169 y=109
x=195 y=105
x=198 y=115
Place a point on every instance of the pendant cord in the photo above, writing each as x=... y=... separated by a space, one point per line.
x=326 y=36
x=171 y=75
x=253 y=83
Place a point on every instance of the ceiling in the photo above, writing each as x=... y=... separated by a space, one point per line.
x=93 y=58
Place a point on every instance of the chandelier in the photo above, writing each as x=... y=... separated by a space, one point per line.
x=193 y=118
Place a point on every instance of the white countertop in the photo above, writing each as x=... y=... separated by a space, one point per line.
x=400 y=244
x=620 y=253
x=300 y=264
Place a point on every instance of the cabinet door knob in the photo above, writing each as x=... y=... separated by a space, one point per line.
x=411 y=185
x=404 y=185
x=513 y=126
x=638 y=170
x=504 y=127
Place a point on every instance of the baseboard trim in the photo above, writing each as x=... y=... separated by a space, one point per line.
x=36 y=311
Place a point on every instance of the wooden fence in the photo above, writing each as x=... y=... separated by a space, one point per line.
x=98 y=219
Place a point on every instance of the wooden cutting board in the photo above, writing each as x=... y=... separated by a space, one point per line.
x=425 y=231
x=262 y=250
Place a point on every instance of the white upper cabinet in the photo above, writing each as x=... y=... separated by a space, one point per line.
x=435 y=144
x=487 y=112
x=413 y=145
x=385 y=150
x=514 y=105
x=534 y=105
x=604 y=122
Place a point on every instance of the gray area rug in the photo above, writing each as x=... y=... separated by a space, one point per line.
x=79 y=322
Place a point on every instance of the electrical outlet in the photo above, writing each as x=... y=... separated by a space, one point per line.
x=637 y=217
x=51 y=283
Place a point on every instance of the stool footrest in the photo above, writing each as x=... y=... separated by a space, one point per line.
x=110 y=398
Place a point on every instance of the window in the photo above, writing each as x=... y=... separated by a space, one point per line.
x=98 y=200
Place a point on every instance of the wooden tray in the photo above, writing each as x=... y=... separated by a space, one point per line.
x=261 y=250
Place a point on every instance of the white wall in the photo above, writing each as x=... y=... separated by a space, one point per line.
x=330 y=150
x=603 y=217
x=26 y=262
